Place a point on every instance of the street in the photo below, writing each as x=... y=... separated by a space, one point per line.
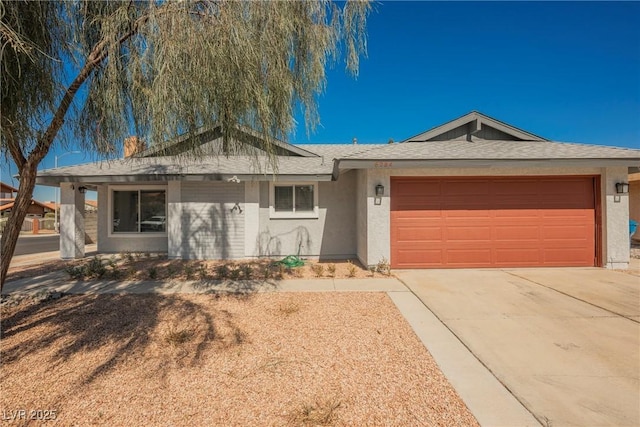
x=36 y=244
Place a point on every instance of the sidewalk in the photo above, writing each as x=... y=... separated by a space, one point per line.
x=58 y=281
x=39 y=258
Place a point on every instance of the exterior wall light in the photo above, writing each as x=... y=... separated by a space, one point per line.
x=82 y=189
x=380 y=190
x=622 y=187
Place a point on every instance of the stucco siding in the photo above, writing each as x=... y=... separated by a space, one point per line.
x=378 y=217
x=212 y=220
x=615 y=221
x=332 y=235
x=116 y=244
x=634 y=204
x=361 y=215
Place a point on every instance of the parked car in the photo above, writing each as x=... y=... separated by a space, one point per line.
x=155 y=223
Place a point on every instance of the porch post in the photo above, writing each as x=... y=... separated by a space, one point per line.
x=174 y=219
x=71 y=221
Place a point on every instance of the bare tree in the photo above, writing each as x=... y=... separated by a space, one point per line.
x=93 y=72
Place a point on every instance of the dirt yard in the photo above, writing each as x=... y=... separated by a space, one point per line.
x=259 y=359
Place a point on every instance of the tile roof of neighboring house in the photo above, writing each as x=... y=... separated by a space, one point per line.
x=50 y=205
x=92 y=203
x=33 y=202
x=6 y=188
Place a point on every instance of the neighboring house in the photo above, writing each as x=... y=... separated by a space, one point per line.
x=473 y=192
x=634 y=201
x=7 y=191
x=7 y=199
x=91 y=206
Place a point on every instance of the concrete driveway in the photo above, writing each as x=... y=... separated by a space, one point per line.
x=565 y=342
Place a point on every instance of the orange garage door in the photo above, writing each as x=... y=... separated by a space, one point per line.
x=492 y=222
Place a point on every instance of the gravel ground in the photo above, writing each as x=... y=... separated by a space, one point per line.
x=143 y=266
x=262 y=359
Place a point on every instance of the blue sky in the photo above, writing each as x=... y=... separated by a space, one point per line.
x=567 y=71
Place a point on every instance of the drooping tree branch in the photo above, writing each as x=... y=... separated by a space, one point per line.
x=27 y=167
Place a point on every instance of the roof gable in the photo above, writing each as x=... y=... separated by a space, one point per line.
x=209 y=142
x=475 y=126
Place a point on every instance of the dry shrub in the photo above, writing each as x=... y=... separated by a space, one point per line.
x=318 y=269
x=289 y=307
x=331 y=269
x=176 y=337
x=319 y=413
x=352 y=270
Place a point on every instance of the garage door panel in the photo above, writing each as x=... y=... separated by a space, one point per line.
x=493 y=222
x=468 y=256
x=516 y=188
x=416 y=214
x=564 y=257
x=457 y=211
x=518 y=257
x=469 y=234
x=418 y=258
x=419 y=234
x=568 y=214
x=566 y=232
x=425 y=189
x=517 y=233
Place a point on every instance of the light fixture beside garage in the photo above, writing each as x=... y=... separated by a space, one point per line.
x=622 y=187
x=380 y=190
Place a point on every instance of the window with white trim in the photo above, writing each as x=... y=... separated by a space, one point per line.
x=297 y=200
x=139 y=210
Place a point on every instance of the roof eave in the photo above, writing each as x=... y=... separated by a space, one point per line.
x=53 y=180
x=481 y=163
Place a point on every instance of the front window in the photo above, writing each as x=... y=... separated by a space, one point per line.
x=139 y=211
x=294 y=201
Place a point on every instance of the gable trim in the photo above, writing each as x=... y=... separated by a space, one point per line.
x=209 y=134
x=475 y=120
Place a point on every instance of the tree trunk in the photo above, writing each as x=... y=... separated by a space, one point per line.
x=18 y=213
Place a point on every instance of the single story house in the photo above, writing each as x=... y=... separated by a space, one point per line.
x=473 y=192
x=7 y=201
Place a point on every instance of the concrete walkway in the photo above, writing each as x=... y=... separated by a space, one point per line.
x=490 y=402
x=564 y=341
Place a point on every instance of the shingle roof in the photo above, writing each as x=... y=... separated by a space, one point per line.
x=322 y=167
x=488 y=150
x=336 y=151
x=154 y=168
